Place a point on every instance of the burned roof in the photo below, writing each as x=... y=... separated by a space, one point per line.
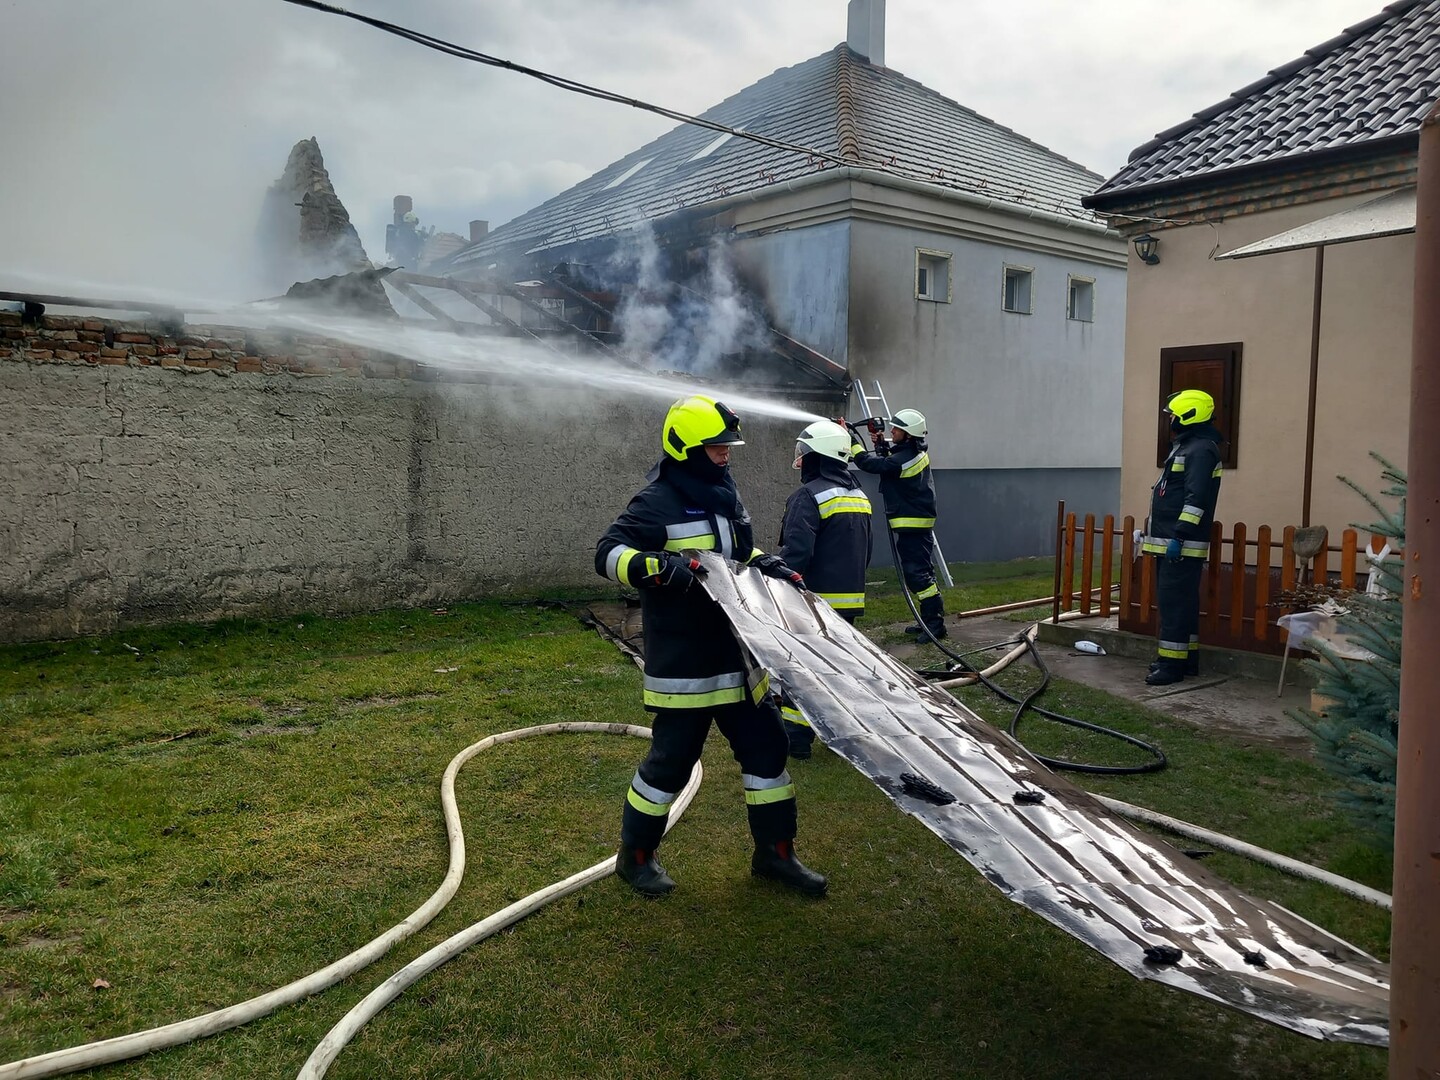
x=1367 y=88
x=837 y=103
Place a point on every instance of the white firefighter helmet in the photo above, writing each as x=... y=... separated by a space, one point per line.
x=824 y=437
x=911 y=422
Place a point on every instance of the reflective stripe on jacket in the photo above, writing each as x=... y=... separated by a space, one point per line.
x=825 y=535
x=692 y=659
x=1182 y=503
x=905 y=482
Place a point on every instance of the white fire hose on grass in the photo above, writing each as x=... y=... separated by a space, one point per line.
x=107 y=1051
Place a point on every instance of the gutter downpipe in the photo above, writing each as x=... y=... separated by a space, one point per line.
x=1414 y=940
x=903 y=183
x=1314 y=383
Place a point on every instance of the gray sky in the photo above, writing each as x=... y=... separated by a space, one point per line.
x=139 y=135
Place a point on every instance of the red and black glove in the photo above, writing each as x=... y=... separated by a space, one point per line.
x=774 y=566
x=679 y=572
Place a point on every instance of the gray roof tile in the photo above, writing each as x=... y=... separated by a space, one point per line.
x=836 y=103
x=1376 y=80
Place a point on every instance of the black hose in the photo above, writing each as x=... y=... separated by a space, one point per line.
x=1027 y=702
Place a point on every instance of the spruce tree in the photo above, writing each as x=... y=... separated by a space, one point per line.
x=1356 y=735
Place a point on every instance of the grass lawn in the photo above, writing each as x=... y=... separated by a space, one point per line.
x=233 y=806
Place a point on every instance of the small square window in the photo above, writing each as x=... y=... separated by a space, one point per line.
x=932 y=275
x=1017 y=289
x=1081 y=303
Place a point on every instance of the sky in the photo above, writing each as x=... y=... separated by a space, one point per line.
x=137 y=137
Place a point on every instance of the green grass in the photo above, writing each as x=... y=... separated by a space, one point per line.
x=237 y=805
x=977 y=585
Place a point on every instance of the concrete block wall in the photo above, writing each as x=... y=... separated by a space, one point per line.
x=147 y=476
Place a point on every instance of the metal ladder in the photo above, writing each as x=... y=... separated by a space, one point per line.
x=869 y=403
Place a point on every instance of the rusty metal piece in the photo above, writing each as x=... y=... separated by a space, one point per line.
x=1069 y=859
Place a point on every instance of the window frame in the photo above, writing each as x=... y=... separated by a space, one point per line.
x=1227 y=407
x=1029 y=272
x=1070 y=282
x=948 y=258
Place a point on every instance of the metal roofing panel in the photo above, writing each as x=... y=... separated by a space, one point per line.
x=1067 y=858
x=1390 y=215
x=1375 y=80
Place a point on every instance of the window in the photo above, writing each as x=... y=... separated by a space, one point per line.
x=932 y=275
x=631 y=171
x=1081 y=303
x=1214 y=369
x=1017 y=289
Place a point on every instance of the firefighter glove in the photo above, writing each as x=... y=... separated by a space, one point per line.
x=774 y=566
x=1172 y=550
x=679 y=572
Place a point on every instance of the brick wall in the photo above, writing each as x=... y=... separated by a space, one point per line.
x=147 y=476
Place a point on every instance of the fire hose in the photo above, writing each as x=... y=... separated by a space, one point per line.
x=123 y=1047
x=107 y=1051
x=1026 y=643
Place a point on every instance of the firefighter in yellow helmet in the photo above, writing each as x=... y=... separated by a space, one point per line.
x=1182 y=508
x=695 y=671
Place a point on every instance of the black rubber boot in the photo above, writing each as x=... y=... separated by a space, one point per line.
x=1169 y=671
x=638 y=868
x=932 y=614
x=1192 y=664
x=777 y=862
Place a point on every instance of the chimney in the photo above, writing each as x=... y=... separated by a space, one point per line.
x=865 y=29
x=478 y=230
x=403 y=205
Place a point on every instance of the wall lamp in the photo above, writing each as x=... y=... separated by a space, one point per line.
x=1146 y=246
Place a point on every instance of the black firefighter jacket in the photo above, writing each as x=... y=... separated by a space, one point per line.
x=1182 y=503
x=905 y=483
x=692 y=659
x=825 y=534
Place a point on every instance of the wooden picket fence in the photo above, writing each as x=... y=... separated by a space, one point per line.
x=1238 y=592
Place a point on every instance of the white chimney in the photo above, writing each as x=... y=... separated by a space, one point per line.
x=865 y=30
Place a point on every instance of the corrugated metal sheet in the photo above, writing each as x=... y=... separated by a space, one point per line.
x=836 y=103
x=1375 y=81
x=1390 y=215
x=1067 y=858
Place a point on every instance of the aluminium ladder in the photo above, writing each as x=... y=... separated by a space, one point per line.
x=868 y=403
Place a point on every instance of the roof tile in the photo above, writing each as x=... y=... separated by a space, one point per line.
x=836 y=103
x=1375 y=80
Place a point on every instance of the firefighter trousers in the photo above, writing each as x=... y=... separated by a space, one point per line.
x=1177 y=593
x=916 y=548
x=797 y=728
x=758 y=742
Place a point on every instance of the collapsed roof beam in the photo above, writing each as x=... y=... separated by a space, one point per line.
x=473 y=292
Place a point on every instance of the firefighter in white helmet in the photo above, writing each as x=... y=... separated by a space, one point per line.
x=825 y=535
x=903 y=465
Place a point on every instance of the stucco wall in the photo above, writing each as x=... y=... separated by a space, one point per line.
x=1000 y=390
x=995 y=514
x=132 y=492
x=804 y=275
x=1265 y=303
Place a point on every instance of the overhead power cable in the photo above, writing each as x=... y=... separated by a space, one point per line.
x=573 y=85
x=450 y=48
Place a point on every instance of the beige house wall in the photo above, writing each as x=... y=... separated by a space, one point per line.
x=1266 y=304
